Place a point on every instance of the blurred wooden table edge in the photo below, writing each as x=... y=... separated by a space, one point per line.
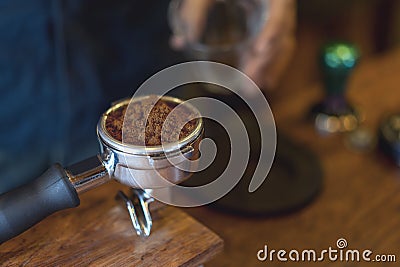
x=100 y=233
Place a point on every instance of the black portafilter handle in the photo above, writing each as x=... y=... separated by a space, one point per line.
x=25 y=206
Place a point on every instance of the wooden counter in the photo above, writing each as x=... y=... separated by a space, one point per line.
x=361 y=197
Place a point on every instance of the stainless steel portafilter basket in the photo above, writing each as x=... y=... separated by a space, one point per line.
x=140 y=167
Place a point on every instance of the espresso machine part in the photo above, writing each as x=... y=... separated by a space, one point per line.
x=139 y=167
x=335 y=113
x=138 y=209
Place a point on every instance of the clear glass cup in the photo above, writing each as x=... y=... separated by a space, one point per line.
x=229 y=27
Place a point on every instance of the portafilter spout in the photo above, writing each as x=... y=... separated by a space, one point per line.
x=141 y=167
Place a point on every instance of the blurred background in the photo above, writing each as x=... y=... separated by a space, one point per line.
x=371 y=25
x=359 y=199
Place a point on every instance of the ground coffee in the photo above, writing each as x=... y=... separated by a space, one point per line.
x=139 y=130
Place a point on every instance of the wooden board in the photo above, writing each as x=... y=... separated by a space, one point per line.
x=100 y=233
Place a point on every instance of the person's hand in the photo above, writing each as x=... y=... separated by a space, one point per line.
x=193 y=15
x=267 y=57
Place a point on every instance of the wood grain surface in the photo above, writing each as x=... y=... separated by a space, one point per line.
x=360 y=200
x=100 y=233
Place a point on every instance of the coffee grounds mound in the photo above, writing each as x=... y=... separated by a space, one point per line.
x=138 y=130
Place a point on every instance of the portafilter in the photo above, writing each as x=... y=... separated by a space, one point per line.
x=138 y=166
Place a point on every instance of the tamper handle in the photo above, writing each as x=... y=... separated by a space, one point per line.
x=337 y=62
x=27 y=205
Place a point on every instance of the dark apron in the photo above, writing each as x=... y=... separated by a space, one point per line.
x=61 y=64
